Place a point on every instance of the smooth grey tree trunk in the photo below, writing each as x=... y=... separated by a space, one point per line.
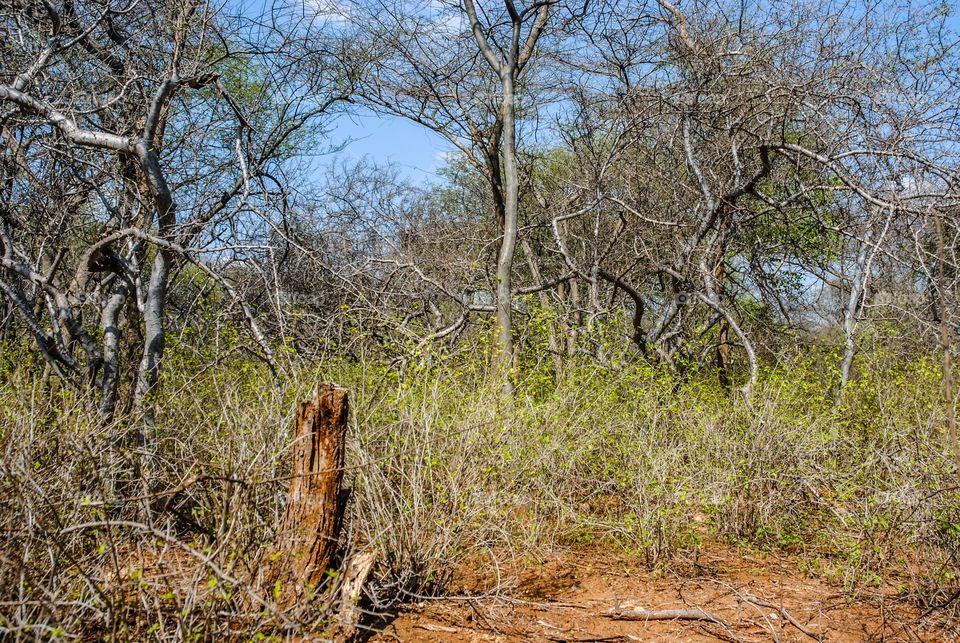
x=153 y=345
x=508 y=243
x=857 y=286
x=508 y=65
x=110 y=375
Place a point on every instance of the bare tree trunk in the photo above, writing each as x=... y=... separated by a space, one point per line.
x=110 y=375
x=636 y=328
x=552 y=342
x=850 y=315
x=509 y=241
x=573 y=305
x=712 y=299
x=723 y=354
x=507 y=65
x=153 y=345
x=723 y=343
x=309 y=529
x=947 y=375
x=714 y=302
x=155 y=302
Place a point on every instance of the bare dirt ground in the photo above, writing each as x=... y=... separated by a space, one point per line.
x=588 y=596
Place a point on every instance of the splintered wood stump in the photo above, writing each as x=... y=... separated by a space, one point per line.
x=309 y=528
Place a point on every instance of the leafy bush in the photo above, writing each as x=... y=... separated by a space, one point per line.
x=444 y=470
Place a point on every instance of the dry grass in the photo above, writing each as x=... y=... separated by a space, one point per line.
x=444 y=471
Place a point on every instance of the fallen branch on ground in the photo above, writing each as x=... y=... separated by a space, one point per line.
x=430 y=627
x=785 y=614
x=694 y=614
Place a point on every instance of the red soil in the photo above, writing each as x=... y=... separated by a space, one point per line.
x=572 y=596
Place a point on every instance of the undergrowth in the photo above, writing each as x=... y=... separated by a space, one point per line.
x=443 y=470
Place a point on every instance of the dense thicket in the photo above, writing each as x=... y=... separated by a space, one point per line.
x=716 y=185
x=651 y=213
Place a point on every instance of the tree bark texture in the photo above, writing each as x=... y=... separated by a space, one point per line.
x=309 y=529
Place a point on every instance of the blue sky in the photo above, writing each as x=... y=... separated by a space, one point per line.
x=416 y=151
x=413 y=149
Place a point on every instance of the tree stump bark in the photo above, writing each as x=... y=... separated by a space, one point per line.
x=309 y=529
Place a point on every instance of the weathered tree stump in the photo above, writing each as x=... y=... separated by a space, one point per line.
x=309 y=529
